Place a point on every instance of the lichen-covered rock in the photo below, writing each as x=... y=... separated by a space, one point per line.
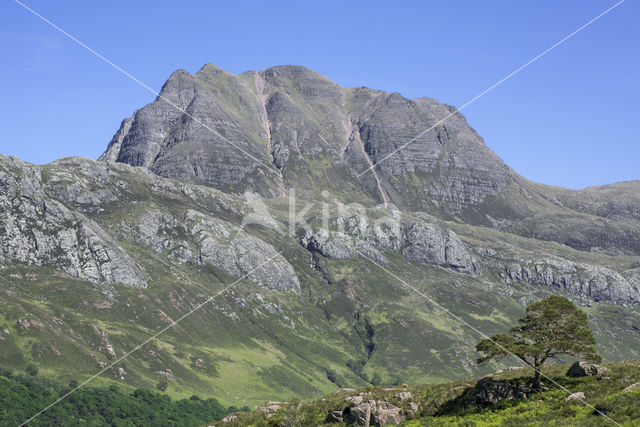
x=404 y=395
x=417 y=238
x=38 y=230
x=233 y=250
x=368 y=413
x=384 y=413
x=597 y=282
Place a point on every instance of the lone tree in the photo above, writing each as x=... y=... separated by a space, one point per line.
x=552 y=327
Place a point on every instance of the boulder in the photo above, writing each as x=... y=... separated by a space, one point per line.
x=631 y=387
x=359 y=414
x=583 y=369
x=370 y=413
x=489 y=391
x=576 y=396
x=404 y=395
x=334 y=417
x=384 y=413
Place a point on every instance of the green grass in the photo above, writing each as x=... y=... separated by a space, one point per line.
x=255 y=344
x=545 y=408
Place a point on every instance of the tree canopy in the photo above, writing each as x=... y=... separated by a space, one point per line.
x=550 y=328
x=22 y=396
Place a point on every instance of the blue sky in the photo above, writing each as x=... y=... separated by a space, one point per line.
x=566 y=120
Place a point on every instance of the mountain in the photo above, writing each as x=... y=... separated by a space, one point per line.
x=298 y=129
x=289 y=127
x=189 y=212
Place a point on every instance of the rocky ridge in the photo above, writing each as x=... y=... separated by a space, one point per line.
x=55 y=215
x=265 y=132
x=39 y=230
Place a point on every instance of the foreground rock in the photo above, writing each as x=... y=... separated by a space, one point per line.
x=575 y=396
x=584 y=369
x=367 y=413
x=489 y=391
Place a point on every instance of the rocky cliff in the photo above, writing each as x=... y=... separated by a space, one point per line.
x=288 y=127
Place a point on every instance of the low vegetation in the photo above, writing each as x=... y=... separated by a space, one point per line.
x=445 y=405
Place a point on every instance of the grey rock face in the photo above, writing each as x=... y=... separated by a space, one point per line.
x=289 y=126
x=41 y=231
x=201 y=239
x=232 y=250
x=449 y=165
x=202 y=128
x=418 y=240
x=432 y=244
x=599 y=283
x=39 y=228
x=370 y=413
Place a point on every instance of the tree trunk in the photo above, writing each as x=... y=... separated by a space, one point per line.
x=536 y=377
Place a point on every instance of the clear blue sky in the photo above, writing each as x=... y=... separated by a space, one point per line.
x=569 y=119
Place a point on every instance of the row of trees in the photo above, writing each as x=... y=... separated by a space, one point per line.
x=22 y=396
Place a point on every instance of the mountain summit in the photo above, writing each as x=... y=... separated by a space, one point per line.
x=265 y=132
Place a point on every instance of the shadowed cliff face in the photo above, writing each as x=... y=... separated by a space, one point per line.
x=288 y=126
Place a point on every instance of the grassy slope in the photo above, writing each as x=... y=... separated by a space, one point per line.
x=252 y=344
x=256 y=344
x=437 y=407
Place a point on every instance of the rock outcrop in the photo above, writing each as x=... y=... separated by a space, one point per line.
x=489 y=391
x=584 y=369
x=368 y=413
x=44 y=221
x=41 y=231
x=231 y=249
x=417 y=238
x=597 y=282
x=575 y=396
